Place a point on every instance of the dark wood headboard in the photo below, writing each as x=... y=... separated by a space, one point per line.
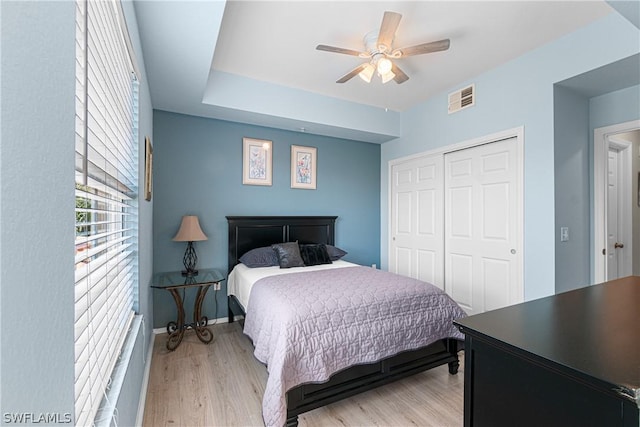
x=249 y=232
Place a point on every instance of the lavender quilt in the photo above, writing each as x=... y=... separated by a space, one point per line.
x=307 y=326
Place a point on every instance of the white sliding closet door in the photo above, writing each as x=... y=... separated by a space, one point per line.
x=416 y=245
x=482 y=226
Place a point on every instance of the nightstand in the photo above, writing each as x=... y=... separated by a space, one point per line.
x=174 y=281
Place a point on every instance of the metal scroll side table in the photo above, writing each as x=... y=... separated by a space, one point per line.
x=173 y=282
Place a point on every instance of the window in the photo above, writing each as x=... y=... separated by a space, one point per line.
x=106 y=189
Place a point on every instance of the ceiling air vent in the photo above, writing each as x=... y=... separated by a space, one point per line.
x=462 y=98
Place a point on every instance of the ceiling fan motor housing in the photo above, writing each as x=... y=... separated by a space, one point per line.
x=371 y=42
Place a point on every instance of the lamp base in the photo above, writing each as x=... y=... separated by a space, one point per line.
x=190 y=261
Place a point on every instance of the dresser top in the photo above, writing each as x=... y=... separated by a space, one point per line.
x=594 y=330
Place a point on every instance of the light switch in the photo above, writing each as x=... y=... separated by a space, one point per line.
x=564 y=234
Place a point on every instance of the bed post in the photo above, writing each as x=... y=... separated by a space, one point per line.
x=235 y=309
x=453 y=348
x=292 y=421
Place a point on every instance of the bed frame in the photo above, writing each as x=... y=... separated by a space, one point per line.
x=249 y=232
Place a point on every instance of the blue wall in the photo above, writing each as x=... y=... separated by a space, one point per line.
x=615 y=107
x=572 y=191
x=518 y=93
x=37 y=178
x=37 y=230
x=198 y=170
x=576 y=118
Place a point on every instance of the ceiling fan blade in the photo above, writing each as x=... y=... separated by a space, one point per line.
x=339 y=50
x=424 y=48
x=390 y=22
x=351 y=74
x=400 y=77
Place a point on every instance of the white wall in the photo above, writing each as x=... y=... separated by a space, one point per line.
x=518 y=93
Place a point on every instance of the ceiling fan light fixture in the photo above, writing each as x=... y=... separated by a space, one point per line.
x=384 y=66
x=367 y=73
x=381 y=53
x=387 y=76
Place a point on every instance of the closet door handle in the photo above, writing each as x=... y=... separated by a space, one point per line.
x=618 y=245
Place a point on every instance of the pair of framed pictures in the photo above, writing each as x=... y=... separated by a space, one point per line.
x=257 y=164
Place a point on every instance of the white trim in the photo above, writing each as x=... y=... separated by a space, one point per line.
x=625 y=228
x=106 y=411
x=518 y=133
x=626 y=149
x=145 y=383
x=126 y=36
x=157 y=331
x=600 y=156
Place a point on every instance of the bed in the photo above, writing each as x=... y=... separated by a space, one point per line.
x=285 y=398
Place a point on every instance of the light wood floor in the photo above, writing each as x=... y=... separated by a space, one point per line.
x=221 y=384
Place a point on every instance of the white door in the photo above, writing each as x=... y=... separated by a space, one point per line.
x=614 y=219
x=416 y=246
x=482 y=266
x=605 y=138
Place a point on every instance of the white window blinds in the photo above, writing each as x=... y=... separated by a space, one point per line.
x=106 y=200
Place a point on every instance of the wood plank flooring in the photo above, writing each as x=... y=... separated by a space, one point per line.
x=221 y=384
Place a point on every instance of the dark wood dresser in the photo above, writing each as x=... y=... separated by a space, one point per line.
x=572 y=359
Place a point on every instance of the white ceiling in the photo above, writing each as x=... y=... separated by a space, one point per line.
x=274 y=41
x=188 y=45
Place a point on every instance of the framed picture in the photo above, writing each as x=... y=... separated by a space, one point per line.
x=148 y=169
x=304 y=164
x=256 y=161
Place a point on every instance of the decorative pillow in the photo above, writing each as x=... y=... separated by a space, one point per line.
x=260 y=257
x=335 y=253
x=288 y=254
x=315 y=254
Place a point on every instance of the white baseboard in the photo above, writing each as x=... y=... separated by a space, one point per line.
x=145 y=384
x=157 y=331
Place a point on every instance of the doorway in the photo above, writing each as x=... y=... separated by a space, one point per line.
x=616 y=201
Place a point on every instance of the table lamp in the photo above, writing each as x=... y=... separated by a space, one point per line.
x=190 y=232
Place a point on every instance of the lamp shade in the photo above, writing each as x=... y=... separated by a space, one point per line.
x=367 y=73
x=387 y=76
x=190 y=230
x=384 y=66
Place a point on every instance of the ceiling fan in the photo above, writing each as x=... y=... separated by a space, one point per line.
x=380 y=53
